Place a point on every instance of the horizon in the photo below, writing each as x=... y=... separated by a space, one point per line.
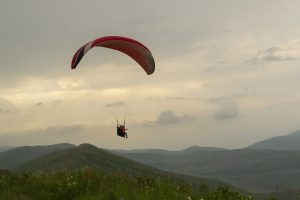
x=118 y=149
x=225 y=77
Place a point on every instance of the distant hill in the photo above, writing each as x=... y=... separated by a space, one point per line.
x=13 y=157
x=287 y=142
x=197 y=148
x=86 y=155
x=154 y=151
x=295 y=133
x=5 y=148
x=250 y=169
x=170 y=152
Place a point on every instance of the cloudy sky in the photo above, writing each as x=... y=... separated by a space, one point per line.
x=227 y=72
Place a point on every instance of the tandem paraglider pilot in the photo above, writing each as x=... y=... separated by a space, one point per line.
x=121 y=130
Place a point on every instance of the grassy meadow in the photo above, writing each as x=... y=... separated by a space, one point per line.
x=90 y=184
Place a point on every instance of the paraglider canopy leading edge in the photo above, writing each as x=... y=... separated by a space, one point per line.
x=136 y=50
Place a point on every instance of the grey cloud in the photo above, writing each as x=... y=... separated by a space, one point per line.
x=271 y=54
x=227 y=106
x=252 y=61
x=272 y=58
x=36 y=35
x=39 y=104
x=226 y=111
x=116 y=103
x=210 y=69
x=290 y=58
x=271 y=50
x=178 y=98
x=3 y=111
x=57 y=101
x=6 y=106
x=223 y=99
x=206 y=84
x=153 y=98
x=174 y=98
x=168 y=117
x=185 y=118
x=44 y=41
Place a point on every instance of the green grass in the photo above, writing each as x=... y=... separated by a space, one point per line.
x=90 y=184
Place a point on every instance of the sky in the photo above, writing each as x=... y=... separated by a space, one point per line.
x=227 y=73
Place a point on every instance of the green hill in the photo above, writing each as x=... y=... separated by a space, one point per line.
x=13 y=157
x=85 y=155
x=286 y=142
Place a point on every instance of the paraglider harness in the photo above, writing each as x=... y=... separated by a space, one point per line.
x=121 y=130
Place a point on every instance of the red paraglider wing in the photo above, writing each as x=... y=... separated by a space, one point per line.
x=136 y=50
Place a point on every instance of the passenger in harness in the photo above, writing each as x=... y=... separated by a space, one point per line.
x=121 y=130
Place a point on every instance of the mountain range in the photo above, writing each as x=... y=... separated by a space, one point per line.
x=252 y=170
x=268 y=165
x=271 y=165
x=88 y=156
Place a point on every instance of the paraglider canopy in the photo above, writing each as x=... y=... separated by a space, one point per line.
x=136 y=50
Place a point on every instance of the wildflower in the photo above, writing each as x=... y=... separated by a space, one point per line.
x=189 y=198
